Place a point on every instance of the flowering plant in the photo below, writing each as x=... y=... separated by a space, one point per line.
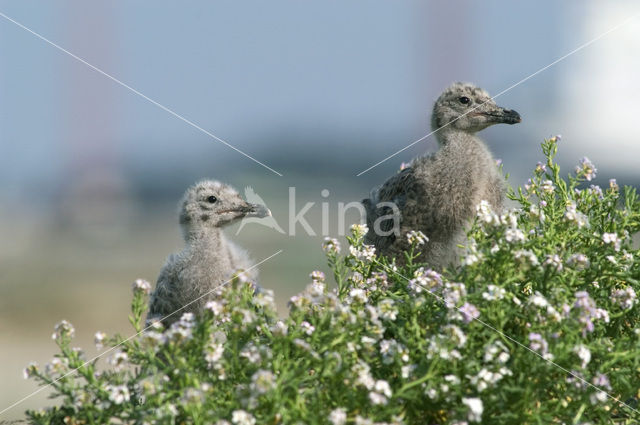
x=539 y=324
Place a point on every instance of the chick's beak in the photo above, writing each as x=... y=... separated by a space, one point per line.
x=504 y=116
x=255 y=210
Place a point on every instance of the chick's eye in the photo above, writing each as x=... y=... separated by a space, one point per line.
x=212 y=199
x=464 y=99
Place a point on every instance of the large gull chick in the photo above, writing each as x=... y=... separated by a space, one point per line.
x=437 y=194
x=208 y=260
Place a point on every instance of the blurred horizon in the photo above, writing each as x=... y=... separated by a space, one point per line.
x=92 y=172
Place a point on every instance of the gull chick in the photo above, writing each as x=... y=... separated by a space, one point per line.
x=189 y=277
x=437 y=194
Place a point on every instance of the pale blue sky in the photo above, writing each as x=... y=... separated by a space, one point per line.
x=301 y=86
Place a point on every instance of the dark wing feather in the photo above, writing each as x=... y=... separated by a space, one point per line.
x=393 y=190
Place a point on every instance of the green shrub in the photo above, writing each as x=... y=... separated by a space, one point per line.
x=540 y=324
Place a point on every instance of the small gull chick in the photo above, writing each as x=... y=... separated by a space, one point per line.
x=208 y=260
x=437 y=194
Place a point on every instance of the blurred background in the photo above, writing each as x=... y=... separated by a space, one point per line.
x=91 y=172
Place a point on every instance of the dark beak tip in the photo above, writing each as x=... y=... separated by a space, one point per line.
x=512 y=117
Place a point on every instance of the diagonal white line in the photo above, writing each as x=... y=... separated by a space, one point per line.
x=577 y=49
x=129 y=338
x=622 y=403
x=175 y=114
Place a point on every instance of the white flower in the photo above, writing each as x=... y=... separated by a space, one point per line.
x=425 y=280
x=181 y=330
x=63 y=329
x=536 y=212
x=475 y=408
x=574 y=216
x=300 y=301
x=141 y=286
x=538 y=300
x=472 y=255
x=56 y=365
x=432 y=393
x=529 y=186
x=118 y=360
x=30 y=370
x=118 y=394
x=387 y=310
x=152 y=338
x=613 y=185
x=307 y=327
x=280 y=329
x=215 y=307
x=514 y=235
x=553 y=262
x=503 y=357
x=240 y=417
x=366 y=253
x=213 y=352
x=383 y=387
x=578 y=261
x=389 y=348
x=586 y=168
x=612 y=238
x=493 y=293
x=485 y=213
x=469 y=312
x=188 y=319
x=317 y=276
x=486 y=378
x=526 y=258
x=251 y=353
x=367 y=341
x=168 y=409
x=338 y=416
x=547 y=186
x=358 y=231
x=192 y=396
x=595 y=190
x=417 y=237
x=598 y=397
x=455 y=334
x=470 y=259
x=381 y=392
x=452 y=379
x=358 y=294
x=331 y=246
x=407 y=370
x=263 y=381
x=452 y=293
x=498 y=348
x=364 y=378
x=539 y=344
x=625 y=298
x=583 y=354
x=99 y=338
